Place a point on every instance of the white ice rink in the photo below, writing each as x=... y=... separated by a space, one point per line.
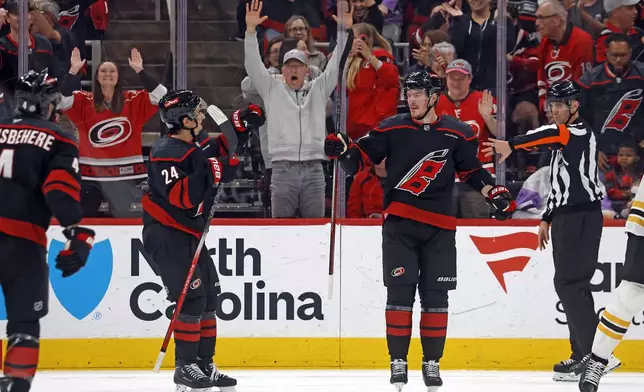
x=327 y=381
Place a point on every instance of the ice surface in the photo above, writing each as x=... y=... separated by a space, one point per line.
x=327 y=381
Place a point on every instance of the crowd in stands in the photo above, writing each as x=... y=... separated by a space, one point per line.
x=296 y=45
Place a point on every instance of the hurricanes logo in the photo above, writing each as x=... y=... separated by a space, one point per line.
x=504 y=243
x=423 y=173
x=623 y=111
x=397 y=272
x=110 y=132
x=558 y=71
x=67 y=19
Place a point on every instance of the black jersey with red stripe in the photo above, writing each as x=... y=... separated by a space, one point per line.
x=39 y=175
x=422 y=161
x=179 y=178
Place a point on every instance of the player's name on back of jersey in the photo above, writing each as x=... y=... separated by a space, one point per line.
x=34 y=137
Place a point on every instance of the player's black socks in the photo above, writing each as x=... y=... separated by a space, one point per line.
x=398 y=320
x=187 y=333
x=208 y=335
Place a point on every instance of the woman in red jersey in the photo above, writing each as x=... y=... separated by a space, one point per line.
x=110 y=121
x=373 y=87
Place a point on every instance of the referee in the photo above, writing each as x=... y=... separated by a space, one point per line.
x=573 y=211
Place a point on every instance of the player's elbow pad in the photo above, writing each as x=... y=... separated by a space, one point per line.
x=62 y=193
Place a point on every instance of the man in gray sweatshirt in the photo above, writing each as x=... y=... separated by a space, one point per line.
x=296 y=123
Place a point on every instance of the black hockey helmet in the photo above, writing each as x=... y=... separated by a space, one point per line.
x=422 y=80
x=35 y=91
x=177 y=105
x=563 y=91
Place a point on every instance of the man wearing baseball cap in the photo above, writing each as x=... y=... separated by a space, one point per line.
x=478 y=110
x=621 y=19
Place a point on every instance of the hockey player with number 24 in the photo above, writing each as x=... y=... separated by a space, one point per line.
x=185 y=167
x=423 y=153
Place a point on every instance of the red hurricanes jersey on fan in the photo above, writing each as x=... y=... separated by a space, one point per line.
x=467 y=111
x=110 y=144
x=566 y=60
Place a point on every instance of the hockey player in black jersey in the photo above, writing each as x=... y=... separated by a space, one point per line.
x=573 y=212
x=424 y=152
x=39 y=175
x=184 y=165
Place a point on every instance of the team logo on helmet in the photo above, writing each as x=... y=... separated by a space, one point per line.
x=110 y=132
x=171 y=102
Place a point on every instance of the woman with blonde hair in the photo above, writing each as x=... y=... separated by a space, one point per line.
x=372 y=81
x=298 y=27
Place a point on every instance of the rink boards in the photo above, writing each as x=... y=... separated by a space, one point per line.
x=276 y=312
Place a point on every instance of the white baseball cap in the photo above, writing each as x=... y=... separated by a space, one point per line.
x=295 y=54
x=611 y=5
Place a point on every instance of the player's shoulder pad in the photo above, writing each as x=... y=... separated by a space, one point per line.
x=394 y=122
x=170 y=149
x=454 y=126
x=45 y=126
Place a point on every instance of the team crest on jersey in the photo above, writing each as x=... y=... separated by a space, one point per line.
x=423 y=173
x=67 y=19
x=557 y=71
x=623 y=111
x=110 y=132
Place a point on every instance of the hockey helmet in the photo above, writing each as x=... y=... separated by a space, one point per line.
x=177 y=105
x=563 y=91
x=35 y=91
x=422 y=80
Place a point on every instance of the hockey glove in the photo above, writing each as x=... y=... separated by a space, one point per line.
x=251 y=117
x=336 y=144
x=222 y=170
x=500 y=199
x=74 y=256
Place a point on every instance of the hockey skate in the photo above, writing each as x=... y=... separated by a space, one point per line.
x=219 y=380
x=567 y=370
x=189 y=378
x=398 y=373
x=591 y=374
x=432 y=375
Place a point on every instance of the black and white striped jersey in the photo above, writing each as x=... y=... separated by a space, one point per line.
x=573 y=165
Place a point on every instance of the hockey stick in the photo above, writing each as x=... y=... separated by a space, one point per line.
x=226 y=128
x=342 y=8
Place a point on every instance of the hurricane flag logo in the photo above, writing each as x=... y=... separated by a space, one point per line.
x=82 y=292
x=504 y=243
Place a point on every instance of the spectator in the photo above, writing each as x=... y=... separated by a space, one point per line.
x=296 y=121
x=110 y=121
x=392 y=11
x=279 y=12
x=523 y=62
x=621 y=19
x=366 y=193
x=532 y=198
x=62 y=40
x=371 y=73
x=565 y=52
x=474 y=37
x=428 y=59
x=40 y=50
x=364 y=11
x=611 y=98
x=588 y=15
x=298 y=27
x=623 y=176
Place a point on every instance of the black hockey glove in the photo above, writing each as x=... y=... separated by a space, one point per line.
x=500 y=199
x=74 y=256
x=336 y=144
x=252 y=117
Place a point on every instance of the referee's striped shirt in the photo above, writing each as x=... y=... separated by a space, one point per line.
x=573 y=165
